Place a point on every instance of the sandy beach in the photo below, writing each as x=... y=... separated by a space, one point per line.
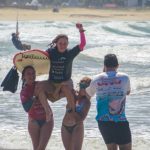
x=75 y=14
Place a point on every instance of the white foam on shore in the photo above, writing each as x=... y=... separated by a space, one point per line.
x=20 y=140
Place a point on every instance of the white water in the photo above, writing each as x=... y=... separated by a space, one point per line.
x=129 y=40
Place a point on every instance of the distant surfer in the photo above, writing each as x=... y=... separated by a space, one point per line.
x=60 y=83
x=111 y=88
x=73 y=132
x=18 y=44
x=39 y=130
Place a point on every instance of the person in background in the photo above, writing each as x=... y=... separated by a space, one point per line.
x=18 y=44
x=39 y=130
x=111 y=88
x=73 y=133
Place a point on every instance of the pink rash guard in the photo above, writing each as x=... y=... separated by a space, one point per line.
x=82 y=41
x=34 y=108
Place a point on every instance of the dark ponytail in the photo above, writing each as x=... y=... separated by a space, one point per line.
x=23 y=72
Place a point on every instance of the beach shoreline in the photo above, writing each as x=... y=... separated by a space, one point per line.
x=75 y=14
x=55 y=143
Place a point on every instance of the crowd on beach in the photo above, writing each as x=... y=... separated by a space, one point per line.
x=110 y=87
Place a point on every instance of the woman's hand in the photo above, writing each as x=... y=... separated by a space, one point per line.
x=80 y=27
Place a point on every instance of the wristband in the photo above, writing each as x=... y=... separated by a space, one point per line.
x=82 y=30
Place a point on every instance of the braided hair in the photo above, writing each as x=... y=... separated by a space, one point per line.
x=56 y=39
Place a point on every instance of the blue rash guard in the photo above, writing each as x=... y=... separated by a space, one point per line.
x=61 y=63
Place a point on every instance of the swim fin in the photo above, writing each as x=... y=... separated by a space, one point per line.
x=10 y=83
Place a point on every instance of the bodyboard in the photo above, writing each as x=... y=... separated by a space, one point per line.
x=36 y=58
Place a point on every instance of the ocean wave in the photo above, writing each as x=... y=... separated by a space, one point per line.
x=145 y=29
x=133 y=52
x=140 y=83
x=121 y=32
x=126 y=54
x=9 y=141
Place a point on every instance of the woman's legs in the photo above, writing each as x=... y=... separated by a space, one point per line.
x=77 y=137
x=66 y=138
x=45 y=133
x=40 y=92
x=74 y=140
x=68 y=93
x=46 y=106
x=34 y=131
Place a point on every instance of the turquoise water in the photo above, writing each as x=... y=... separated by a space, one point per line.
x=129 y=40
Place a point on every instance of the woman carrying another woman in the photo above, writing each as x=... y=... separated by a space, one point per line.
x=39 y=130
x=73 y=133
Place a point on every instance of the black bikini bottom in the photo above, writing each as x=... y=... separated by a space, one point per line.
x=40 y=122
x=70 y=128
